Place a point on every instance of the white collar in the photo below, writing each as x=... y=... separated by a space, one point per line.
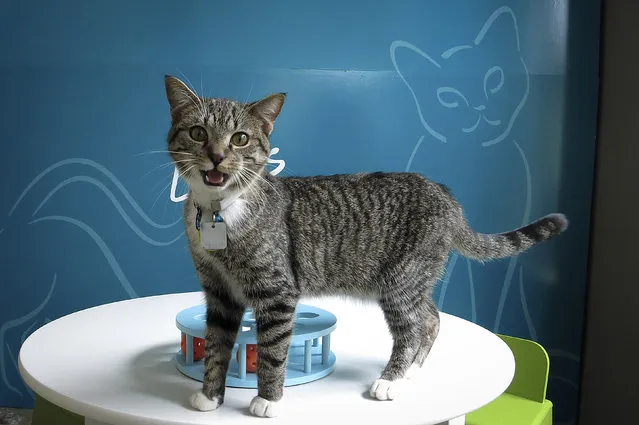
x=211 y=199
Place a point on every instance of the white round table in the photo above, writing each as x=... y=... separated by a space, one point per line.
x=114 y=364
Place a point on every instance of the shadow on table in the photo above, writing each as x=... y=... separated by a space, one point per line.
x=362 y=373
x=155 y=374
x=365 y=371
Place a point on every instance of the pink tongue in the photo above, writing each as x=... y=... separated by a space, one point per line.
x=215 y=176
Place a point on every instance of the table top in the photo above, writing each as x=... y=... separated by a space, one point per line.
x=114 y=363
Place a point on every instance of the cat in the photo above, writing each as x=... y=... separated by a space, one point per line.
x=312 y=236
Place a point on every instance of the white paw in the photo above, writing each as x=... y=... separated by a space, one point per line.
x=383 y=389
x=413 y=371
x=201 y=402
x=263 y=408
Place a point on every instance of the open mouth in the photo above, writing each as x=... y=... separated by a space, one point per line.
x=214 y=178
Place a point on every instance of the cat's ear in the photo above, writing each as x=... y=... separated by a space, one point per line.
x=268 y=109
x=500 y=29
x=178 y=94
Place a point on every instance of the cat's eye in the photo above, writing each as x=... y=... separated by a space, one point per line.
x=240 y=139
x=493 y=80
x=449 y=97
x=198 y=133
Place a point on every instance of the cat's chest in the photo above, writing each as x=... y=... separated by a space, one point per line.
x=251 y=240
x=234 y=214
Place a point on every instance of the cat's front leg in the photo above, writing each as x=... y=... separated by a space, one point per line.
x=275 y=322
x=223 y=318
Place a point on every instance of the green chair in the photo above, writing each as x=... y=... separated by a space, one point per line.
x=524 y=402
x=47 y=413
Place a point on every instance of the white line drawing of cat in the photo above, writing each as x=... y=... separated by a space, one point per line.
x=492 y=87
x=281 y=164
x=476 y=107
x=472 y=108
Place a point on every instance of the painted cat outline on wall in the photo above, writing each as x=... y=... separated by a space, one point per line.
x=493 y=84
x=471 y=111
x=474 y=108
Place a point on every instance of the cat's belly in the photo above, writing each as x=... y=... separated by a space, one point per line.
x=330 y=289
x=330 y=269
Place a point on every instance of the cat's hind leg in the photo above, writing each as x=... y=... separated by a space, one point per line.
x=411 y=315
x=430 y=314
x=404 y=319
x=429 y=332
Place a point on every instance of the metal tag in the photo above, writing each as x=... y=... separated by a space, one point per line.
x=213 y=235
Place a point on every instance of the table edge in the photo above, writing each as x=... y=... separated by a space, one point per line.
x=99 y=413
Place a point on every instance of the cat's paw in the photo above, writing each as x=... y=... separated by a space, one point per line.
x=383 y=389
x=263 y=408
x=201 y=402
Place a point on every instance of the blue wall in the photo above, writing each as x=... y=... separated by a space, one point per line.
x=496 y=99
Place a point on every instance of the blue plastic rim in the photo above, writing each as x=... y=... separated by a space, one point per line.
x=310 y=356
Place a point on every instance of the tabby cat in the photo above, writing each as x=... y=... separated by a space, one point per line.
x=288 y=237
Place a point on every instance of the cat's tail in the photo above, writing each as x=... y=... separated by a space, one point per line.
x=481 y=246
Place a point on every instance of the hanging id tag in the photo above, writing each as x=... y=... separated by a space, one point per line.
x=213 y=235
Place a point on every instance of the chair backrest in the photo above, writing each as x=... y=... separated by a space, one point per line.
x=531 y=369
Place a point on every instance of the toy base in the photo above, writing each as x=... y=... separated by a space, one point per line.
x=294 y=370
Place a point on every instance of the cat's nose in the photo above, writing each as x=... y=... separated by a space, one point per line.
x=216 y=158
x=479 y=108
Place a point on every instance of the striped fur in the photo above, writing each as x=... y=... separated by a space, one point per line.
x=491 y=247
x=382 y=236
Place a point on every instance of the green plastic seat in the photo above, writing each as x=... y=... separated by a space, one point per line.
x=524 y=402
x=47 y=413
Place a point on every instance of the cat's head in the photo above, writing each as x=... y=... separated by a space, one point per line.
x=219 y=145
x=471 y=92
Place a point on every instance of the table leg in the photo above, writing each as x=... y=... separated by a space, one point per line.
x=456 y=421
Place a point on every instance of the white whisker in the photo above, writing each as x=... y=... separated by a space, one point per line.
x=165 y=165
x=259 y=177
x=160 y=194
x=156 y=185
x=254 y=189
x=187 y=172
x=199 y=103
x=159 y=151
x=249 y=93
